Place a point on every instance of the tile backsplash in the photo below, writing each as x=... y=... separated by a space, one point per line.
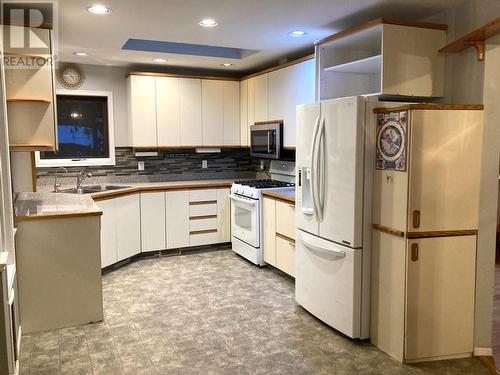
x=171 y=165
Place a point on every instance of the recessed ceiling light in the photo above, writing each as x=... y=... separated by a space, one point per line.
x=297 y=33
x=208 y=22
x=160 y=60
x=99 y=9
x=226 y=64
x=84 y=54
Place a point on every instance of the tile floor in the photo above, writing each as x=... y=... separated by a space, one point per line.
x=209 y=313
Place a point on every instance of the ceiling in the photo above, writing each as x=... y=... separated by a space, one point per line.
x=261 y=25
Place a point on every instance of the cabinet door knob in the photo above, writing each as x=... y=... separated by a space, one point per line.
x=416 y=219
x=414 y=252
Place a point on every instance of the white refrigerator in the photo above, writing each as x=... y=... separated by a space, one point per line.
x=333 y=212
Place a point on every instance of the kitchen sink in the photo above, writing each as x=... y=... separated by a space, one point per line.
x=94 y=189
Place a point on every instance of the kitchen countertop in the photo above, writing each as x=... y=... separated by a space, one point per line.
x=287 y=196
x=133 y=188
x=32 y=206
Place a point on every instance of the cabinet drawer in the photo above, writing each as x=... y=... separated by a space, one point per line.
x=202 y=209
x=202 y=195
x=198 y=239
x=285 y=255
x=285 y=219
x=203 y=224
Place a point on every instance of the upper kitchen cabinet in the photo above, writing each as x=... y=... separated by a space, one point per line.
x=382 y=57
x=221 y=113
x=169 y=111
x=261 y=97
x=190 y=112
x=29 y=84
x=274 y=94
x=142 y=110
x=288 y=88
x=168 y=122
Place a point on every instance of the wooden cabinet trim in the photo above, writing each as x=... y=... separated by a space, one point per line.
x=428 y=106
x=381 y=21
x=206 y=231
x=283 y=237
x=441 y=233
x=203 y=217
x=279 y=197
x=388 y=230
x=201 y=203
x=174 y=75
x=68 y=215
x=278 y=67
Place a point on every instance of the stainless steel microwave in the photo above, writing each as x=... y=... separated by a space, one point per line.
x=266 y=140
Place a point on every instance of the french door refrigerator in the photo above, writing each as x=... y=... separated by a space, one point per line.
x=333 y=212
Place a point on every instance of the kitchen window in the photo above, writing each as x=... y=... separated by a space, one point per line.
x=84 y=129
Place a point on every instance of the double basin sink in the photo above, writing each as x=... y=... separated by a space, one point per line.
x=93 y=189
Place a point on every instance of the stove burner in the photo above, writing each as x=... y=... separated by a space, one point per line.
x=265 y=184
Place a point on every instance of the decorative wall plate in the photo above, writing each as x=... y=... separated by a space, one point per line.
x=391 y=141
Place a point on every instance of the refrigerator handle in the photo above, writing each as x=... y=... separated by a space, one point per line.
x=312 y=180
x=321 y=168
x=312 y=246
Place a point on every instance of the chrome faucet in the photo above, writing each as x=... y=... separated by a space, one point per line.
x=80 y=178
x=57 y=185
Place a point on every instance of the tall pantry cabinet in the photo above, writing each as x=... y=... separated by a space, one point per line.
x=425 y=220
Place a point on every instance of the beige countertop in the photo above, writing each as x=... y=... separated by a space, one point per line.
x=287 y=196
x=134 y=188
x=31 y=206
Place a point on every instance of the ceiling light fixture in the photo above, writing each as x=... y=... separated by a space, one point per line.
x=99 y=9
x=226 y=64
x=208 y=22
x=160 y=60
x=83 y=54
x=297 y=33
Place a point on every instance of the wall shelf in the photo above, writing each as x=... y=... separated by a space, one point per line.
x=369 y=65
x=474 y=39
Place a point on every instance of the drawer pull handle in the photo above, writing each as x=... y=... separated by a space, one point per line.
x=414 y=252
x=416 y=219
x=291 y=206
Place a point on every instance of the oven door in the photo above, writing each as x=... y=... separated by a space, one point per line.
x=245 y=219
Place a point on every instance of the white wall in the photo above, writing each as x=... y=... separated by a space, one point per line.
x=109 y=78
x=470 y=81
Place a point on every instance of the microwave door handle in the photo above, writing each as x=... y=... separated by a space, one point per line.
x=269 y=142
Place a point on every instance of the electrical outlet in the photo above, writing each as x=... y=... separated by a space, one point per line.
x=140 y=165
x=204 y=164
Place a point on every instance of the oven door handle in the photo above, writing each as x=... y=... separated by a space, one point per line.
x=241 y=200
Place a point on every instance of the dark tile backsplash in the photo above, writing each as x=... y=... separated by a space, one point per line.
x=171 y=165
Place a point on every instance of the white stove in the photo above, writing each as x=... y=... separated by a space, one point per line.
x=246 y=209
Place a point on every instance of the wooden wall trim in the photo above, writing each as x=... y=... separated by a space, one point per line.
x=428 y=106
x=388 y=230
x=380 y=21
x=441 y=233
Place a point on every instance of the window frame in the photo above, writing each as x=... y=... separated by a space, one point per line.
x=39 y=162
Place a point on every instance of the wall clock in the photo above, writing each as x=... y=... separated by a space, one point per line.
x=71 y=77
x=391 y=141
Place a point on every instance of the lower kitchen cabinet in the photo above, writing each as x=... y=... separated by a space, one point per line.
x=120 y=228
x=108 y=232
x=153 y=221
x=279 y=234
x=128 y=226
x=163 y=220
x=427 y=288
x=177 y=219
